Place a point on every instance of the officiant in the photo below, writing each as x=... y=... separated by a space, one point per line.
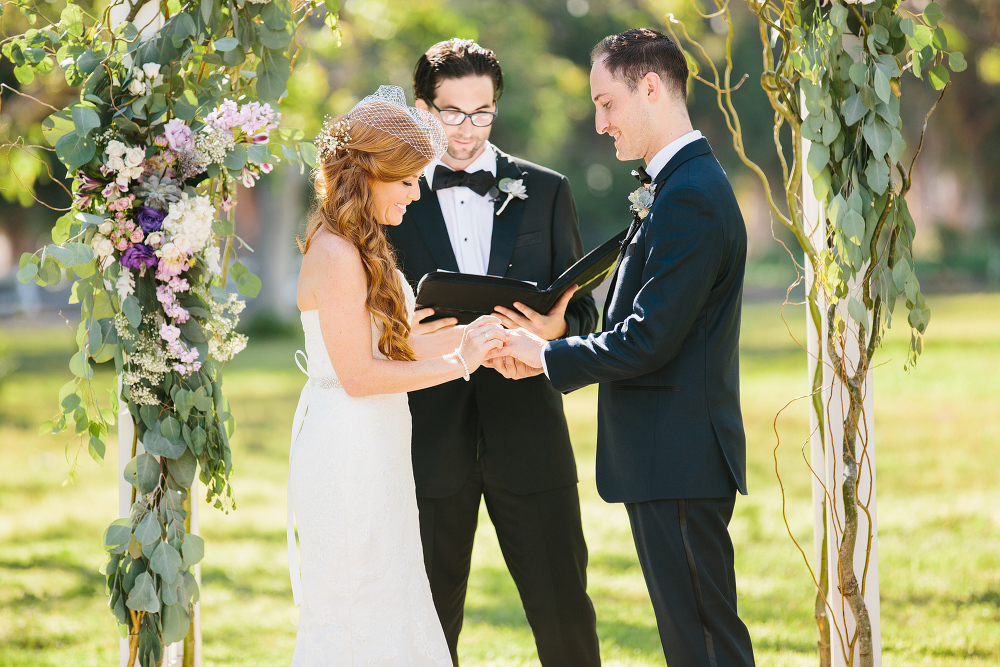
x=486 y=438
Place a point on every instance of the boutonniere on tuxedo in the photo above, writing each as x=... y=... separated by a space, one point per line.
x=513 y=189
x=642 y=200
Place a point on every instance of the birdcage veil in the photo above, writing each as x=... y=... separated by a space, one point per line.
x=386 y=110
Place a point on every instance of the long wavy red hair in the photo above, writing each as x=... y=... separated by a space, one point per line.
x=343 y=184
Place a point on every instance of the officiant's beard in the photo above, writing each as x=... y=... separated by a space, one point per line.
x=464 y=149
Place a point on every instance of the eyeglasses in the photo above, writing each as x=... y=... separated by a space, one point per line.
x=455 y=117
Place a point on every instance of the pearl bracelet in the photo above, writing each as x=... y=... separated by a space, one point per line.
x=465 y=377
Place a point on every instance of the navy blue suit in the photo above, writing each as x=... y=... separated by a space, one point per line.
x=670 y=442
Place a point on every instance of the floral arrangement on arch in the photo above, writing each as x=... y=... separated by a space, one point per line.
x=159 y=230
x=164 y=127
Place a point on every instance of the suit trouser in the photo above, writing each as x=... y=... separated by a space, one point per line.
x=687 y=560
x=541 y=537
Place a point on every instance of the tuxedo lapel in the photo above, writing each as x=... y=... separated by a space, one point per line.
x=690 y=151
x=506 y=224
x=430 y=223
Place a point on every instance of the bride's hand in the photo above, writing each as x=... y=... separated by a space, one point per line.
x=480 y=338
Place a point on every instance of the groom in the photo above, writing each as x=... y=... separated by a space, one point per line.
x=490 y=438
x=670 y=441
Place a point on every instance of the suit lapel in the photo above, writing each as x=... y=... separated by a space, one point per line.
x=506 y=224
x=692 y=150
x=430 y=223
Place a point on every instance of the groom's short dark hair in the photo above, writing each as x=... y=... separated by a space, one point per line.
x=453 y=59
x=633 y=54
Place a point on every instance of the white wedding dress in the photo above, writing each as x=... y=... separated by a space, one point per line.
x=364 y=591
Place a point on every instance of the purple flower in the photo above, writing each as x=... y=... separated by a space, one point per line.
x=138 y=256
x=150 y=219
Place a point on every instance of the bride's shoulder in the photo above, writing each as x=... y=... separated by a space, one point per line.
x=330 y=255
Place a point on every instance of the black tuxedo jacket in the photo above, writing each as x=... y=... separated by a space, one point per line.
x=669 y=421
x=523 y=424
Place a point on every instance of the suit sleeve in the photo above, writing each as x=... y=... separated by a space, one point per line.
x=684 y=247
x=567 y=248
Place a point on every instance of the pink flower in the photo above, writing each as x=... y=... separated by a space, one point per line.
x=160 y=141
x=178 y=135
x=266 y=167
x=227 y=202
x=136 y=236
x=122 y=244
x=249 y=177
x=169 y=333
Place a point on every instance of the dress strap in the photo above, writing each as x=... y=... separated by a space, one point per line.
x=298 y=363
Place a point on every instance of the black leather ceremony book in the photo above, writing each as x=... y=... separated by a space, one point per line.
x=467 y=296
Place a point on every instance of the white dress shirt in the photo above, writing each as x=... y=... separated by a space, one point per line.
x=659 y=161
x=468 y=216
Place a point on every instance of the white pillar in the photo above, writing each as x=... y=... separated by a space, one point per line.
x=828 y=465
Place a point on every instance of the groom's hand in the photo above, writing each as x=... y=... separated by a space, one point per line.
x=511 y=368
x=550 y=326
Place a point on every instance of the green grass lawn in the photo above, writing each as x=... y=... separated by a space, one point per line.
x=936 y=446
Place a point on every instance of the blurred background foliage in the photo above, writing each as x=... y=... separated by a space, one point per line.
x=546 y=116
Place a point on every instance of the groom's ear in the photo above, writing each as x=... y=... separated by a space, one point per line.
x=421 y=104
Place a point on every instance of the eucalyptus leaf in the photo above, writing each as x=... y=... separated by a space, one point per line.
x=854 y=109
x=142 y=596
x=165 y=561
x=877 y=173
x=882 y=88
x=853 y=226
x=858 y=312
x=183 y=468
x=272 y=75
x=938 y=76
x=85 y=118
x=79 y=366
x=155 y=443
x=819 y=156
x=117 y=536
x=170 y=428
x=175 y=623
x=27 y=273
x=132 y=311
x=226 y=44
x=193 y=550
x=149 y=414
x=149 y=530
x=879 y=137
x=143 y=472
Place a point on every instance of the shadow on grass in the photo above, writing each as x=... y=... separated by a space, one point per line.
x=89 y=582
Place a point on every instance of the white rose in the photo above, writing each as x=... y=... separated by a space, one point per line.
x=116 y=163
x=137 y=87
x=115 y=148
x=154 y=240
x=106 y=227
x=151 y=70
x=102 y=246
x=134 y=156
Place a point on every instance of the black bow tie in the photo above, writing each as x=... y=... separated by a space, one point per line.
x=642 y=176
x=479 y=182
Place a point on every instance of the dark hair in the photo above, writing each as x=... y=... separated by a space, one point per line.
x=634 y=53
x=453 y=59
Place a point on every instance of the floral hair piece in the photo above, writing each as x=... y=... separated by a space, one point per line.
x=332 y=138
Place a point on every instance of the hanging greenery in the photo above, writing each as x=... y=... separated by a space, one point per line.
x=833 y=72
x=170 y=115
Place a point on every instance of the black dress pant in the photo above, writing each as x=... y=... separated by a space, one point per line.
x=687 y=559
x=541 y=538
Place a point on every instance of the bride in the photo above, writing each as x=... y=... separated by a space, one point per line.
x=364 y=592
